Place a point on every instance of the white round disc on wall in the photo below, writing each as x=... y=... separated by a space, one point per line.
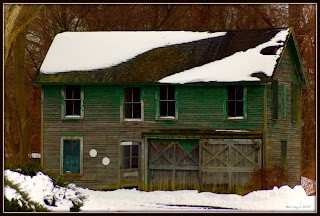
x=93 y=152
x=105 y=161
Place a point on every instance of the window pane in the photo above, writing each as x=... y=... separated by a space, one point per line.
x=239 y=92
x=126 y=163
x=135 y=150
x=136 y=94
x=128 y=94
x=171 y=108
x=163 y=108
x=69 y=107
x=76 y=92
x=77 y=107
x=231 y=93
x=69 y=90
x=163 y=92
x=126 y=150
x=137 y=110
x=239 y=108
x=231 y=109
x=171 y=92
x=128 y=110
x=134 y=162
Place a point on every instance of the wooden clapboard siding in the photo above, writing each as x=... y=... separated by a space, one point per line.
x=283 y=128
x=102 y=129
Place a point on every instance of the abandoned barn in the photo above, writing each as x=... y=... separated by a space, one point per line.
x=172 y=110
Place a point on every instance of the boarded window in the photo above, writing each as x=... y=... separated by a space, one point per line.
x=73 y=101
x=284 y=100
x=294 y=102
x=275 y=102
x=71 y=156
x=129 y=155
x=284 y=153
x=167 y=101
x=132 y=103
x=235 y=101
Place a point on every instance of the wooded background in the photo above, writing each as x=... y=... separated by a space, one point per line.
x=30 y=29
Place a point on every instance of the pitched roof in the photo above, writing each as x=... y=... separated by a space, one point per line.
x=199 y=56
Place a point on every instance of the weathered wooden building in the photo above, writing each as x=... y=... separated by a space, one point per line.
x=189 y=110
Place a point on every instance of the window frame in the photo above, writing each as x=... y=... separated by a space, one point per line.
x=63 y=103
x=121 y=158
x=123 y=105
x=62 y=139
x=158 y=104
x=225 y=104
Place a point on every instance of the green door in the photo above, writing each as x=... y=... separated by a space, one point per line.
x=71 y=156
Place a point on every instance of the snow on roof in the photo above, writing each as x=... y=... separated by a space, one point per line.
x=237 y=67
x=82 y=51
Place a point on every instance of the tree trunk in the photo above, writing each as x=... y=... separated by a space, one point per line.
x=20 y=93
x=17 y=17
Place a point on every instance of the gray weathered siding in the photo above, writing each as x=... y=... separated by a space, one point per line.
x=284 y=128
x=102 y=129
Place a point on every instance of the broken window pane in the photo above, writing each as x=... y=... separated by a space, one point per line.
x=72 y=100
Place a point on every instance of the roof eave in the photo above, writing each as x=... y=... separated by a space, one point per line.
x=297 y=58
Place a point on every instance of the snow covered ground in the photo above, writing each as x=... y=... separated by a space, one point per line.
x=41 y=188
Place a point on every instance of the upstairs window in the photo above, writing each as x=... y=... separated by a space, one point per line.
x=73 y=101
x=167 y=101
x=132 y=103
x=235 y=102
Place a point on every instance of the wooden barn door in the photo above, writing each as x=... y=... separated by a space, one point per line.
x=227 y=164
x=173 y=164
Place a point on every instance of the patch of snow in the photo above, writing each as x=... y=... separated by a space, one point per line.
x=131 y=120
x=72 y=116
x=11 y=193
x=236 y=117
x=40 y=188
x=81 y=51
x=167 y=117
x=237 y=67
